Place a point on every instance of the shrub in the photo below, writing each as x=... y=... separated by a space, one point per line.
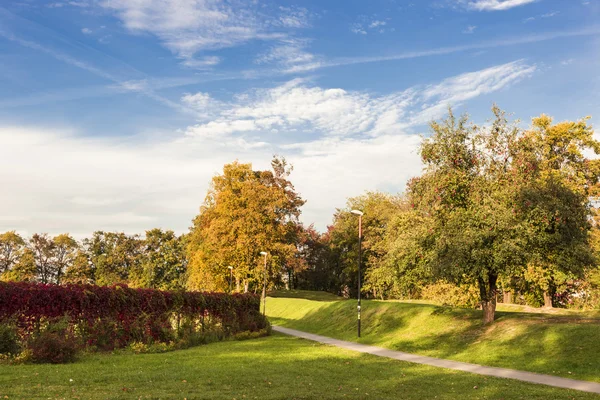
x=448 y=294
x=105 y=318
x=9 y=340
x=52 y=347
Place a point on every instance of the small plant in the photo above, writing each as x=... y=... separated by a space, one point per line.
x=9 y=340
x=52 y=347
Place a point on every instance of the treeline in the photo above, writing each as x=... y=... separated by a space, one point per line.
x=498 y=212
x=158 y=260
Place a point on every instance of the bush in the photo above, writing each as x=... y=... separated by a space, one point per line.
x=9 y=340
x=105 y=318
x=448 y=294
x=52 y=347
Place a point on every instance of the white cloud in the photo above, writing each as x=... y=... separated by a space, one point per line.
x=86 y=31
x=495 y=5
x=358 y=29
x=357 y=141
x=376 y=23
x=189 y=26
x=202 y=63
x=298 y=106
x=368 y=23
x=470 y=29
x=291 y=56
x=293 y=17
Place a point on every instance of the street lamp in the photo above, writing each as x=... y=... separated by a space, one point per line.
x=264 y=293
x=230 y=277
x=360 y=214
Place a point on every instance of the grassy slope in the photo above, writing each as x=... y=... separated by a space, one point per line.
x=277 y=367
x=559 y=345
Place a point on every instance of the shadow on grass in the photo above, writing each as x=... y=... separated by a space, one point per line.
x=556 y=345
x=305 y=294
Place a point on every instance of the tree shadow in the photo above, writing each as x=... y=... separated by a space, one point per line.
x=558 y=345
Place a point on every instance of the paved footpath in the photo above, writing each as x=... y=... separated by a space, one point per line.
x=532 y=377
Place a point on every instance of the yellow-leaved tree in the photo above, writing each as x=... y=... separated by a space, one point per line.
x=245 y=212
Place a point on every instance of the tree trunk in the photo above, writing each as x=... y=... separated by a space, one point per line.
x=507 y=298
x=487 y=292
x=237 y=284
x=547 y=300
x=246 y=286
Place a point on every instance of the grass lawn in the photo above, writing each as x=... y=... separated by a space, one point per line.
x=276 y=367
x=555 y=344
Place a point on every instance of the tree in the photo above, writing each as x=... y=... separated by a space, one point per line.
x=64 y=252
x=113 y=256
x=163 y=261
x=245 y=212
x=555 y=203
x=490 y=210
x=12 y=246
x=42 y=248
x=467 y=192
x=378 y=208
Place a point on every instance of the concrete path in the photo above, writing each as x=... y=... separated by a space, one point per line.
x=532 y=377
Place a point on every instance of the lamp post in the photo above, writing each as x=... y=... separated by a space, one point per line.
x=230 y=277
x=360 y=214
x=264 y=293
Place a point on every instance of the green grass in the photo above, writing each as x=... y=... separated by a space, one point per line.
x=277 y=367
x=562 y=345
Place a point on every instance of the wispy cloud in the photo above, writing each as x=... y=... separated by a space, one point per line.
x=86 y=31
x=187 y=27
x=297 y=106
x=161 y=182
x=546 y=15
x=534 y=38
x=290 y=55
x=494 y=5
x=469 y=29
x=366 y=24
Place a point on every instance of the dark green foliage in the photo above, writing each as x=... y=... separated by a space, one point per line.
x=9 y=340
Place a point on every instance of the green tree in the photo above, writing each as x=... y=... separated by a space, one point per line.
x=163 y=261
x=555 y=202
x=379 y=209
x=244 y=213
x=113 y=256
x=483 y=192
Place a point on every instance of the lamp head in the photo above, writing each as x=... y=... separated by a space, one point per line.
x=263 y=253
x=230 y=267
x=357 y=212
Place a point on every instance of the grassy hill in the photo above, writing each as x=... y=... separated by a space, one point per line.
x=563 y=345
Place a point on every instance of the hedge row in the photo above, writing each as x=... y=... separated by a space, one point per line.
x=118 y=315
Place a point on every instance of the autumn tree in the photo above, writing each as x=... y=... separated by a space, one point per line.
x=64 y=252
x=16 y=259
x=555 y=202
x=11 y=249
x=245 y=212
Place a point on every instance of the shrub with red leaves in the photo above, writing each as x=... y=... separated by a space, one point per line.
x=108 y=317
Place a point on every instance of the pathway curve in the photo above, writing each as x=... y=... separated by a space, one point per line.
x=532 y=377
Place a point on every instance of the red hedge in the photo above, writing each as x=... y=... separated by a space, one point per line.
x=128 y=313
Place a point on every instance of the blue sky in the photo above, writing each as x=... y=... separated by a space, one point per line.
x=115 y=114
